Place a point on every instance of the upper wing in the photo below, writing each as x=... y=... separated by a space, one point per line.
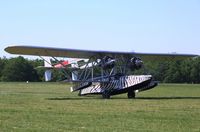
x=74 y=53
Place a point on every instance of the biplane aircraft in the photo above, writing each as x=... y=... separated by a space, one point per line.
x=104 y=72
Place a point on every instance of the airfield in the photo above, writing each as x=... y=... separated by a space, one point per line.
x=52 y=107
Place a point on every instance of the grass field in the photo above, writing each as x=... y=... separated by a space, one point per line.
x=51 y=107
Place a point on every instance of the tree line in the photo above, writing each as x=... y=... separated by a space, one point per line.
x=21 y=69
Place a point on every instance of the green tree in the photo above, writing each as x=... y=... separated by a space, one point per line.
x=185 y=70
x=2 y=65
x=173 y=74
x=19 y=69
x=195 y=70
x=40 y=72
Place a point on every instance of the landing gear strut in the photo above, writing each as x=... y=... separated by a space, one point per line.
x=131 y=94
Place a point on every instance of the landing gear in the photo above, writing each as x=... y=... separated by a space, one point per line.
x=131 y=94
x=106 y=95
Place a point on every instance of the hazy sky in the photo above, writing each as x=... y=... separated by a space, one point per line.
x=159 y=26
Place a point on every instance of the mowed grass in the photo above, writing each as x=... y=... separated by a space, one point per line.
x=51 y=107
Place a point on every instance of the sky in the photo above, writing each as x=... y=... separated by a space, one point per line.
x=150 y=26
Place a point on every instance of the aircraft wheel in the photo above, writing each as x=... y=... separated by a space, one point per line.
x=131 y=94
x=106 y=95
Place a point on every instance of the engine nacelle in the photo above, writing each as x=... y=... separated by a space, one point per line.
x=135 y=63
x=107 y=63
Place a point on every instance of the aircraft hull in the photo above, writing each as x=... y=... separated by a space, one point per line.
x=121 y=85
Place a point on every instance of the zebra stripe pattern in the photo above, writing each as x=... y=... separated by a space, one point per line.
x=122 y=83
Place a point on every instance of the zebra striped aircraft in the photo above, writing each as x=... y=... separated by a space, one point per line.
x=104 y=72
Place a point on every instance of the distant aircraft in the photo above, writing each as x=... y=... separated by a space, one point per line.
x=60 y=65
x=105 y=72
